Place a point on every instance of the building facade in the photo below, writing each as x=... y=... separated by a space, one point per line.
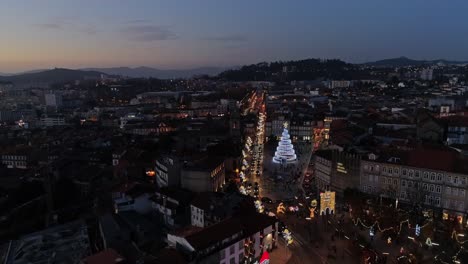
x=439 y=189
x=204 y=176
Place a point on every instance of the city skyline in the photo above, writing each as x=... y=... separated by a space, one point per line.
x=186 y=34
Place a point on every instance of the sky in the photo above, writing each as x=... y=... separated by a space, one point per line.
x=179 y=34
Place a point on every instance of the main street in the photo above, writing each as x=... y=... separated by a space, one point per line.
x=312 y=243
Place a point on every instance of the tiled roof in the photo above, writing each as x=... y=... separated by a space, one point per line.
x=246 y=225
x=215 y=233
x=108 y=256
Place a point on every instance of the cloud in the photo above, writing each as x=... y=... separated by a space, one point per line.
x=235 y=38
x=70 y=24
x=149 y=33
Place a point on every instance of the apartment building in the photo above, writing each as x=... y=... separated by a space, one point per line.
x=433 y=177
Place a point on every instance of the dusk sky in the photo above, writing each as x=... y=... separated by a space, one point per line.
x=192 y=33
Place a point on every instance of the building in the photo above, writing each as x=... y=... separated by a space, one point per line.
x=209 y=208
x=21 y=157
x=108 y=256
x=204 y=175
x=53 y=100
x=229 y=241
x=52 y=120
x=428 y=128
x=336 y=170
x=426 y=74
x=167 y=171
x=173 y=205
x=340 y=84
x=432 y=177
x=300 y=129
x=133 y=197
x=457 y=130
x=68 y=243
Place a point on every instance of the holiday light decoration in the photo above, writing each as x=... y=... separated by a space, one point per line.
x=327 y=200
x=288 y=236
x=242 y=190
x=242 y=176
x=259 y=206
x=285 y=151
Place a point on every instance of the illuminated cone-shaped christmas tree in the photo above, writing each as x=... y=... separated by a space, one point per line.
x=285 y=151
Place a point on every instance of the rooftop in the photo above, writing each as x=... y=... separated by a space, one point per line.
x=108 y=256
x=67 y=243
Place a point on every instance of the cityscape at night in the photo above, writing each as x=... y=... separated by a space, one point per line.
x=233 y=132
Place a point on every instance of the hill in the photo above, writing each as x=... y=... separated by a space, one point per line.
x=146 y=72
x=47 y=77
x=404 y=61
x=309 y=69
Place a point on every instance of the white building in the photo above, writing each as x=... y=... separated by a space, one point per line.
x=52 y=120
x=228 y=241
x=426 y=74
x=53 y=100
x=433 y=178
x=133 y=198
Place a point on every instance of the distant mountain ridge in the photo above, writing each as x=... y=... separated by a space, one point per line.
x=146 y=72
x=46 y=77
x=404 y=61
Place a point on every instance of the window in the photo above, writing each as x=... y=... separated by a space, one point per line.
x=390 y=170
x=411 y=173
x=449 y=178
x=384 y=169
x=416 y=173
x=232 y=260
x=438 y=188
x=431 y=188
x=232 y=249
x=449 y=190
x=395 y=182
x=241 y=256
x=437 y=201
x=463 y=180
x=403 y=172
x=433 y=176
x=439 y=176
x=462 y=192
x=396 y=171
x=455 y=180
x=425 y=186
x=403 y=183
x=455 y=191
